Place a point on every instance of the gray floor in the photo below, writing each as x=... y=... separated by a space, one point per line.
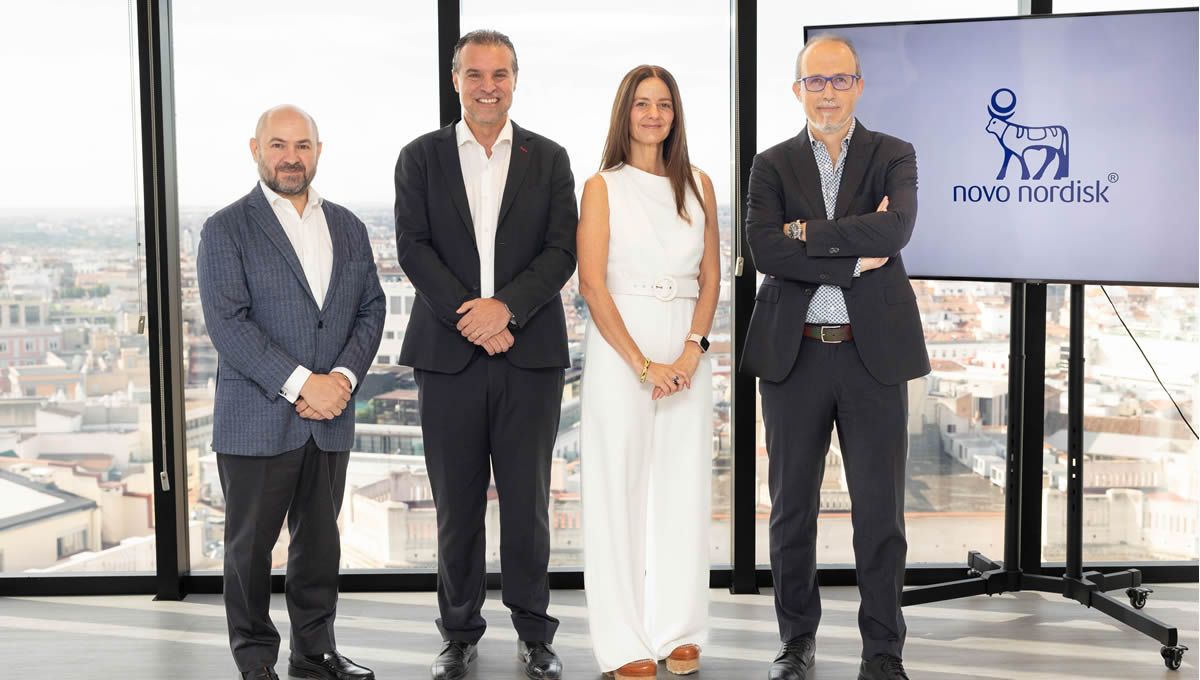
x=1010 y=637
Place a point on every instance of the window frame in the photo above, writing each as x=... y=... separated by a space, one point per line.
x=174 y=579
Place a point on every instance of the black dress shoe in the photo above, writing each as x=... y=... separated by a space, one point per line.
x=454 y=661
x=541 y=663
x=264 y=673
x=795 y=660
x=882 y=667
x=327 y=666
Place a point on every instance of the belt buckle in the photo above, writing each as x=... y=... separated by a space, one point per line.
x=829 y=342
x=665 y=288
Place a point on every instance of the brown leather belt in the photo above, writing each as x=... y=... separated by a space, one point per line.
x=828 y=334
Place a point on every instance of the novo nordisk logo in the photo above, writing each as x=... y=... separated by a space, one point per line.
x=1027 y=145
x=1018 y=140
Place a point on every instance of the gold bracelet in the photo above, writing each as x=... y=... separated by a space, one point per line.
x=645 y=369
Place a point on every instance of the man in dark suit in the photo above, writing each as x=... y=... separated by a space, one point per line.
x=295 y=310
x=485 y=229
x=834 y=338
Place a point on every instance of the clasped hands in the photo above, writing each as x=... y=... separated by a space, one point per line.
x=324 y=396
x=674 y=377
x=868 y=263
x=485 y=323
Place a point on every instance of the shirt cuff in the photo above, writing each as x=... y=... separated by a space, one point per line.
x=858 y=267
x=291 y=388
x=349 y=376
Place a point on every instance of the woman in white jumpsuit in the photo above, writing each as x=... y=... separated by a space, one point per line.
x=649 y=270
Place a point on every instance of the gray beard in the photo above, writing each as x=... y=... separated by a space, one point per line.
x=274 y=185
x=271 y=179
x=829 y=128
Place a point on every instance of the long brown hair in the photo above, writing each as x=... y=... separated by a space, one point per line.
x=674 y=147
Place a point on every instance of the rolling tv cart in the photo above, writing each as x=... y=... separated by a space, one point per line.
x=1021 y=567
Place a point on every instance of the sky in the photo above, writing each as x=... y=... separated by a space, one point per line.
x=368 y=73
x=66 y=107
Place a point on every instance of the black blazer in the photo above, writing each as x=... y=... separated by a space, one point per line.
x=534 y=256
x=785 y=185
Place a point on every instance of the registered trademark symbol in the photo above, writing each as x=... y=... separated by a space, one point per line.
x=1113 y=177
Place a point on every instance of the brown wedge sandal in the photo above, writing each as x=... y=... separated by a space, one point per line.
x=685 y=660
x=635 y=670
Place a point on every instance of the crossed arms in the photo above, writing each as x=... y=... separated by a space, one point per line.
x=831 y=248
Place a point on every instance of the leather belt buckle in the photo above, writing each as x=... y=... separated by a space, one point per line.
x=665 y=288
x=833 y=328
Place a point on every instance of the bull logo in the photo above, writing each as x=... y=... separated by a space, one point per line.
x=1018 y=140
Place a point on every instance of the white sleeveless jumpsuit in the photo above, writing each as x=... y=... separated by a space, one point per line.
x=646 y=465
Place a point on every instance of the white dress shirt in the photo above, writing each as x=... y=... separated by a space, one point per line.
x=484 y=179
x=309 y=235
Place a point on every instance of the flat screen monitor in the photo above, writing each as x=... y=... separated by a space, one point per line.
x=1049 y=148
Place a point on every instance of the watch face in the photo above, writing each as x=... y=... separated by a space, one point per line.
x=704 y=344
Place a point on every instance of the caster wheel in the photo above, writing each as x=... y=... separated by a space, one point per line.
x=1138 y=596
x=1173 y=656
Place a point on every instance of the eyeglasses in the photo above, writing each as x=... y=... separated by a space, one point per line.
x=840 y=81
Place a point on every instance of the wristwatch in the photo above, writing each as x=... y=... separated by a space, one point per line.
x=699 y=340
x=795 y=229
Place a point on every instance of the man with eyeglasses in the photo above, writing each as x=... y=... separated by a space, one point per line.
x=834 y=337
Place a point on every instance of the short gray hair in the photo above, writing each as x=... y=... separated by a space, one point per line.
x=482 y=36
x=829 y=37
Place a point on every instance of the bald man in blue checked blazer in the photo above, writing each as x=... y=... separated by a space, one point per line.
x=294 y=308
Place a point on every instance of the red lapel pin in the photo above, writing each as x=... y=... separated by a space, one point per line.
x=523 y=149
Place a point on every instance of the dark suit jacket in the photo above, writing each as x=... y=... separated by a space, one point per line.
x=785 y=185
x=534 y=255
x=263 y=321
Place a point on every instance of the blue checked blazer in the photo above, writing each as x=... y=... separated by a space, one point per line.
x=264 y=322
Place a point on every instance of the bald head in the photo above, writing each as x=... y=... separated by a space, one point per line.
x=285 y=111
x=829 y=43
x=286 y=147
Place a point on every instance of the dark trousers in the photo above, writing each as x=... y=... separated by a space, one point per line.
x=491 y=418
x=307 y=486
x=829 y=385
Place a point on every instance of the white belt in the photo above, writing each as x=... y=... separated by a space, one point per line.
x=664 y=287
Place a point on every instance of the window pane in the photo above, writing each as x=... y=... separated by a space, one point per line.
x=368 y=77
x=1074 y=6
x=958 y=413
x=75 y=428
x=1141 y=468
x=569 y=100
x=781 y=35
